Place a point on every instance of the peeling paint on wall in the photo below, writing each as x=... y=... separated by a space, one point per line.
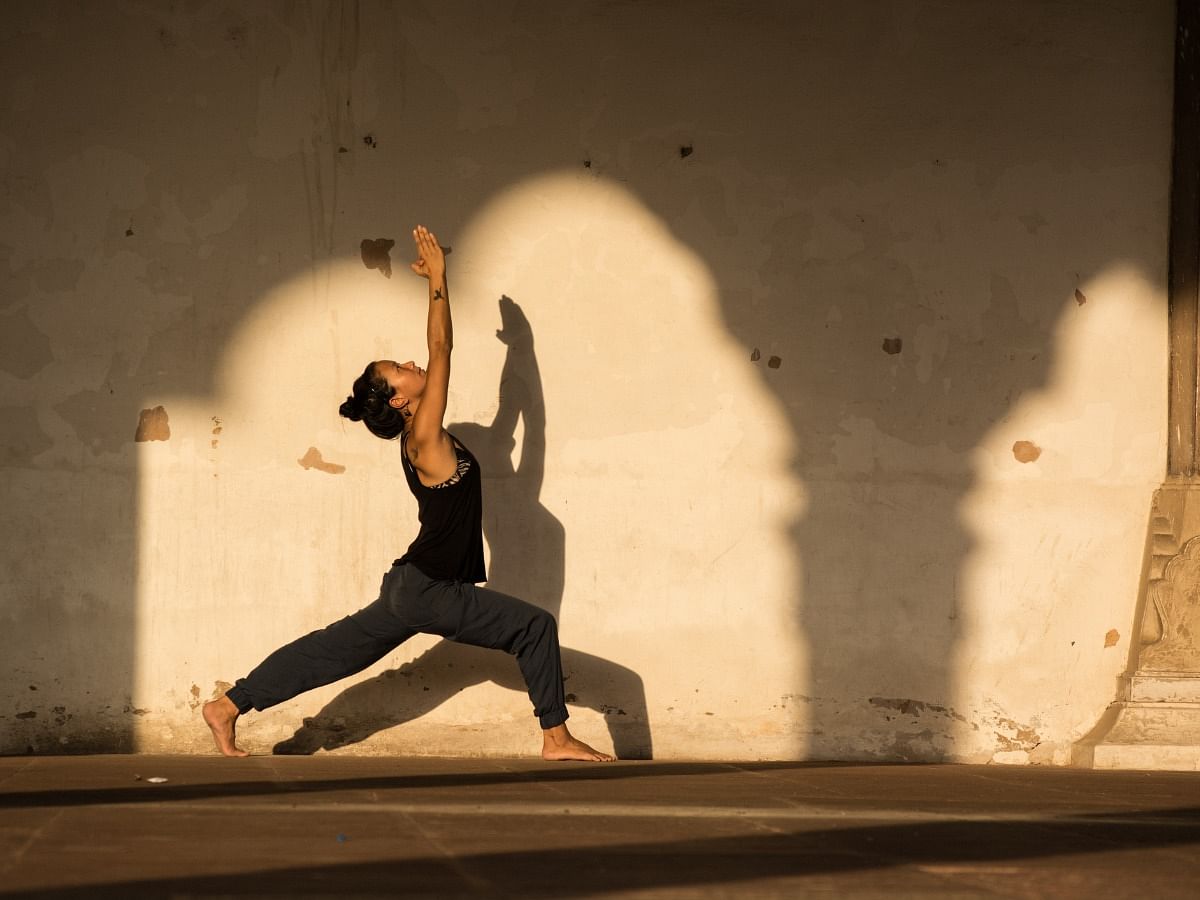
x=153 y=426
x=22 y=438
x=1112 y=637
x=24 y=348
x=908 y=707
x=1026 y=451
x=312 y=460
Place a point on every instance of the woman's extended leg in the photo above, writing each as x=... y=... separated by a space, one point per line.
x=320 y=657
x=491 y=619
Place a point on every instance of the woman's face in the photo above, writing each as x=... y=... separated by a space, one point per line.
x=407 y=379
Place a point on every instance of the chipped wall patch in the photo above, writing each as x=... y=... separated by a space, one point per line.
x=312 y=460
x=893 y=346
x=908 y=707
x=1080 y=297
x=1026 y=451
x=774 y=362
x=153 y=425
x=1112 y=637
x=375 y=254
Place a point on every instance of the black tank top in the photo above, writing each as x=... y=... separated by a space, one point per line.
x=449 y=545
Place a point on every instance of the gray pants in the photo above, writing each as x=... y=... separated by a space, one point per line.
x=412 y=603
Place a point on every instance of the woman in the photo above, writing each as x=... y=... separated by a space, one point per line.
x=432 y=588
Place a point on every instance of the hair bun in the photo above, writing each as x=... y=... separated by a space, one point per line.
x=351 y=410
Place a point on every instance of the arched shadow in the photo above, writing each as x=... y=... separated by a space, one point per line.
x=528 y=551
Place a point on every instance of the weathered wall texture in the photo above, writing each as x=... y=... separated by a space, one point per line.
x=826 y=413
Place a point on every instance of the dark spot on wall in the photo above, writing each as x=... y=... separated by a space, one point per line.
x=167 y=39
x=587 y=163
x=571 y=698
x=939 y=162
x=369 y=140
x=236 y=34
x=1111 y=637
x=343 y=149
x=33 y=687
x=755 y=356
x=376 y=255
x=312 y=460
x=893 y=345
x=686 y=151
x=27 y=715
x=1026 y=451
x=1080 y=297
x=153 y=425
x=129 y=231
x=774 y=362
x=134 y=710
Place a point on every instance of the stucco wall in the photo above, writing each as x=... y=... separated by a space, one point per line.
x=833 y=432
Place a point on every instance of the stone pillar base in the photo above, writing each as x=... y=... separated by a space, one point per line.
x=1146 y=735
x=1156 y=723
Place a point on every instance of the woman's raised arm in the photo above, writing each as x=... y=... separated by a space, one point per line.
x=429 y=438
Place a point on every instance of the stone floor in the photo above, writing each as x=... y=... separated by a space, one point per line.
x=332 y=825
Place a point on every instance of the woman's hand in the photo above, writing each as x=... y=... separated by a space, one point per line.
x=431 y=259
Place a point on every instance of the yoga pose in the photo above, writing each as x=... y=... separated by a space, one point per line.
x=432 y=588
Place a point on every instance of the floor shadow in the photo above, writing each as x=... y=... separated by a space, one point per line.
x=557 y=774
x=527 y=559
x=742 y=859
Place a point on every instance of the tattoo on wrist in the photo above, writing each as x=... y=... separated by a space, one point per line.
x=438 y=295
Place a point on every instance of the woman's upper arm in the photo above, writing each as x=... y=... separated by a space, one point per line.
x=428 y=432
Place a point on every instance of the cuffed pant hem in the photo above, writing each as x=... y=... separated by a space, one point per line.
x=553 y=719
x=239 y=698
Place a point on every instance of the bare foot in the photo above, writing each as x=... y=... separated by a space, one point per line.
x=221 y=716
x=558 y=744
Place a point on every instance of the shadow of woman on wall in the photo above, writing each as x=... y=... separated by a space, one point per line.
x=528 y=552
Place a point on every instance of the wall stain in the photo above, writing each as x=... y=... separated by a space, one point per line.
x=774 y=362
x=1023 y=737
x=375 y=254
x=1111 y=638
x=908 y=707
x=23 y=437
x=312 y=460
x=30 y=714
x=1026 y=451
x=195 y=692
x=686 y=151
x=1080 y=297
x=219 y=689
x=893 y=346
x=755 y=356
x=24 y=348
x=153 y=425
x=135 y=710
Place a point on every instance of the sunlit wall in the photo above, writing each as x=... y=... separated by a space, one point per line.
x=816 y=359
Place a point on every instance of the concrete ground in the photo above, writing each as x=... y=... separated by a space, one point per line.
x=90 y=826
